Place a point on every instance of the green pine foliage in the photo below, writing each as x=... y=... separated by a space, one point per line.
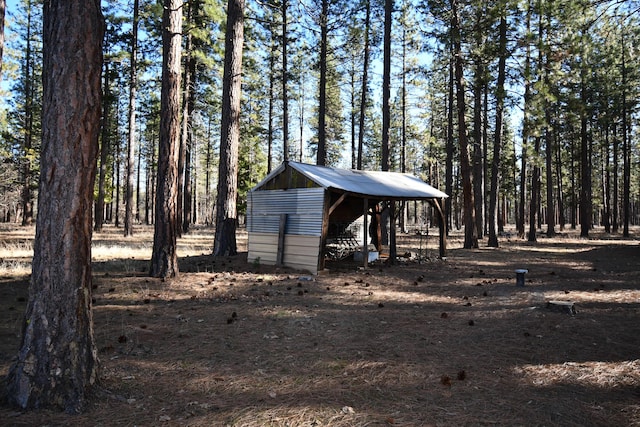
x=578 y=57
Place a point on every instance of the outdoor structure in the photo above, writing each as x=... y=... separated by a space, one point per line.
x=297 y=211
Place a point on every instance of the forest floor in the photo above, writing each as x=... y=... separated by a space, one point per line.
x=428 y=342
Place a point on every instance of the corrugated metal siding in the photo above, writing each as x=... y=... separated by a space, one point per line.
x=303 y=207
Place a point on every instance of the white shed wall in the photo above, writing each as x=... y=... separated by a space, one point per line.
x=300 y=252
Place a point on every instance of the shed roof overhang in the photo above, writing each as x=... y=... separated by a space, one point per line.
x=356 y=183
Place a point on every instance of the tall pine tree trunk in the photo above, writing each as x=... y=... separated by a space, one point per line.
x=450 y=149
x=321 y=157
x=534 y=202
x=606 y=183
x=626 y=150
x=272 y=78
x=57 y=363
x=104 y=151
x=477 y=154
x=353 y=113
x=164 y=259
x=187 y=118
x=559 y=186
x=402 y=214
x=184 y=120
x=526 y=132
x=285 y=96
x=226 y=215
x=390 y=213
x=27 y=193
x=386 y=85
x=470 y=236
x=131 y=142
x=572 y=178
x=585 y=168
x=115 y=205
x=3 y=5
x=615 y=215
x=549 y=147
x=497 y=142
x=365 y=82
x=535 y=196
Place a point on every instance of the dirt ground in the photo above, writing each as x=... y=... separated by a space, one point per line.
x=428 y=342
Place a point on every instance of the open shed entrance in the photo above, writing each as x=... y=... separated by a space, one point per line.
x=364 y=229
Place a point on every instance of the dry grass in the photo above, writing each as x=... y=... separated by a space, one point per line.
x=437 y=343
x=16 y=250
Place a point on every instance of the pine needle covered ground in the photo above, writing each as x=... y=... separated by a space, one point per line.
x=427 y=342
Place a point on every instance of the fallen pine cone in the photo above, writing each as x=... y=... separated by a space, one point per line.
x=445 y=380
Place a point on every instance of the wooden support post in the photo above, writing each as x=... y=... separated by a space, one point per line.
x=337 y=203
x=393 y=248
x=281 y=230
x=326 y=218
x=376 y=219
x=442 y=227
x=365 y=238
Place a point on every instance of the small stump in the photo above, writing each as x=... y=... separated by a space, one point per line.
x=562 y=307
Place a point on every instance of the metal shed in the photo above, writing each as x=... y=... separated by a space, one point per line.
x=292 y=211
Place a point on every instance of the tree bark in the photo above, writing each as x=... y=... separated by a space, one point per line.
x=226 y=215
x=534 y=202
x=131 y=142
x=585 y=169
x=626 y=151
x=386 y=84
x=115 y=205
x=559 y=185
x=321 y=157
x=191 y=76
x=104 y=151
x=285 y=96
x=185 y=122
x=450 y=150
x=606 y=184
x=27 y=175
x=535 y=196
x=470 y=237
x=365 y=82
x=549 y=147
x=272 y=78
x=497 y=143
x=3 y=5
x=526 y=131
x=57 y=362
x=164 y=260
x=402 y=215
x=616 y=172
x=478 y=125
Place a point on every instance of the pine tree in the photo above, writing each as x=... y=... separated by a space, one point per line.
x=226 y=213
x=57 y=362
x=131 y=140
x=164 y=259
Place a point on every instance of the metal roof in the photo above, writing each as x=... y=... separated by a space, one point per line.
x=375 y=184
